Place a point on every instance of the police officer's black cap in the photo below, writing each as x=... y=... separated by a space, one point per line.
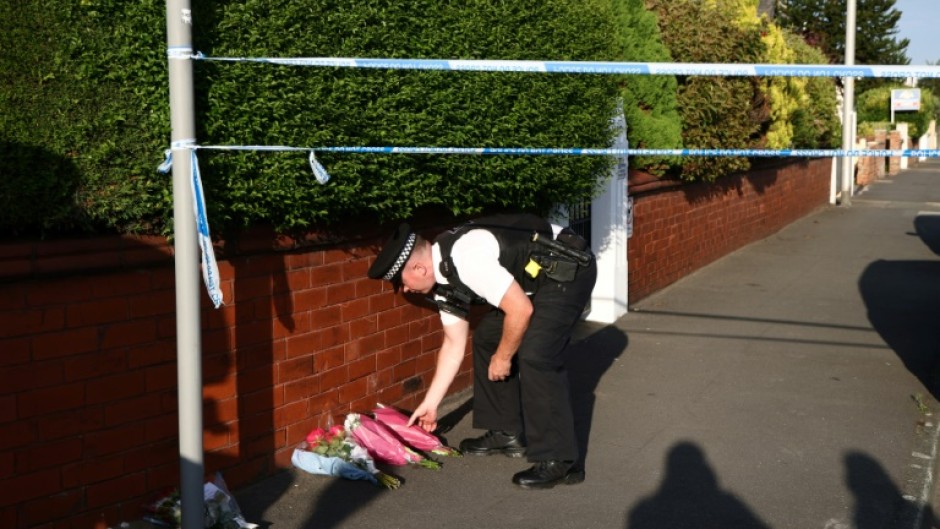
x=391 y=260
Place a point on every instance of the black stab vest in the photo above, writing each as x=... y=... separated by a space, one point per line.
x=513 y=232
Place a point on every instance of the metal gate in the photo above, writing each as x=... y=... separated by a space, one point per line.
x=579 y=219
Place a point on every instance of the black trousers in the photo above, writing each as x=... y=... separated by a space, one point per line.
x=536 y=398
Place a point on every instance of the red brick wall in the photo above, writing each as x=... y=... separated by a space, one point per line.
x=88 y=389
x=869 y=169
x=894 y=144
x=677 y=230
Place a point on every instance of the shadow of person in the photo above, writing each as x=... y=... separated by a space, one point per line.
x=689 y=498
x=903 y=303
x=37 y=192
x=586 y=362
x=927 y=227
x=878 y=501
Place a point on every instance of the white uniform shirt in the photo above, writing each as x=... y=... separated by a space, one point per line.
x=476 y=258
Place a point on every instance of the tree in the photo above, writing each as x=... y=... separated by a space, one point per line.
x=930 y=82
x=822 y=24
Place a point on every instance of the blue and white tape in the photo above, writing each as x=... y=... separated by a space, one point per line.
x=548 y=151
x=599 y=67
x=318 y=171
x=179 y=52
x=210 y=268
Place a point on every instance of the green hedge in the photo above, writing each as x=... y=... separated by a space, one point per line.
x=87 y=93
x=84 y=115
x=89 y=90
x=649 y=101
x=816 y=123
x=717 y=112
x=736 y=112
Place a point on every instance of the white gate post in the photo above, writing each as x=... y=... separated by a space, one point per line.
x=609 y=223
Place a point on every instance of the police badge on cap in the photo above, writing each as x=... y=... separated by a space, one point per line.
x=391 y=260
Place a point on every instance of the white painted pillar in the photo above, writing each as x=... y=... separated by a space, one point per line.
x=905 y=141
x=609 y=224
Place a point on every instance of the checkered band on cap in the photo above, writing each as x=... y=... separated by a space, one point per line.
x=402 y=258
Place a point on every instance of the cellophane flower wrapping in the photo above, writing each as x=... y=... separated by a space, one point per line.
x=221 y=510
x=383 y=445
x=414 y=436
x=334 y=453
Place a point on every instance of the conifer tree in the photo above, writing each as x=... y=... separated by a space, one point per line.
x=822 y=24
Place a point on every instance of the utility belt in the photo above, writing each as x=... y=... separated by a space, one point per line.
x=559 y=259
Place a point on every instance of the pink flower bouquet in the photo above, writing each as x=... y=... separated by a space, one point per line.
x=414 y=436
x=383 y=445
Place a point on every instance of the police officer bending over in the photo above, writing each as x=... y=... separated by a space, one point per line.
x=539 y=277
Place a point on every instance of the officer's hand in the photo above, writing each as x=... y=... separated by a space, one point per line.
x=425 y=417
x=499 y=368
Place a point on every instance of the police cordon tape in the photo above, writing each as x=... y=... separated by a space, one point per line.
x=552 y=151
x=210 y=270
x=596 y=67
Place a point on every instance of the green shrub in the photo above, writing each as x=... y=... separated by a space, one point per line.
x=412 y=108
x=649 y=101
x=717 y=112
x=816 y=123
x=90 y=88
x=87 y=90
x=784 y=94
x=875 y=105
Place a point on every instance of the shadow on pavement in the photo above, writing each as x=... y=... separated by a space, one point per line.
x=689 y=497
x=587 y=361
x=879 y=503
x=927 y=227
x=903 y=303
x=341 y=498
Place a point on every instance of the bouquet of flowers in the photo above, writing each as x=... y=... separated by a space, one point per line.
x=221 y=509
x=383 y=444
x=330 y=443
x=334 y=453
x=413 y=435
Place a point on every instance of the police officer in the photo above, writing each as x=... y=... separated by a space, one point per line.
x=539 y=278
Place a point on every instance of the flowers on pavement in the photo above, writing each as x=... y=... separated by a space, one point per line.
x=334 y=453
x=351 y=450
x=382 y=443
x=413 y=435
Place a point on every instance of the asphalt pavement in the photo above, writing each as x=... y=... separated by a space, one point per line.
x=787 y=385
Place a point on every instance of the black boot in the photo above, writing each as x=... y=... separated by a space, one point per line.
x=494 y=442
x=547 y=474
